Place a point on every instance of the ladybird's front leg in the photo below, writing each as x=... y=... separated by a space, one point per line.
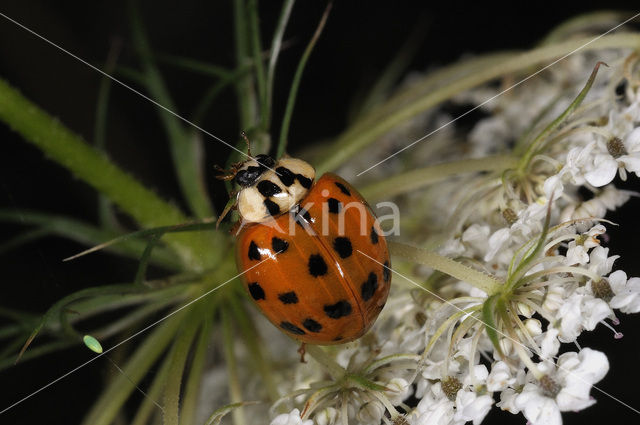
x=231 y=204
x=302 y=351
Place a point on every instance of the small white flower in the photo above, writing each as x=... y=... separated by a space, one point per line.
x=549 y=344
x=500 y=377
x=578 y=372
x=538 y=409
x=471 y=407
x=399 y=390
x=627 y=292
x=291 y=418
x=370 y=412
x=495 y=242
x=326 y=416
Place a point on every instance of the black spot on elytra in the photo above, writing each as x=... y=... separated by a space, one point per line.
x=288 y=326
x=272 y=207
x=285 y=175
x=288 y=298
x=268 y=188
x=338 y=338
x=369 y=287
x=374 y=235
x=311 y=325
x=254 y=254
x=334 y=205
x=343 y=247
x=343 y=188
x=304 y=181
x=386 y=271
x=317 y=265
x=256 y=291
x=340 y=309
x=279 y=245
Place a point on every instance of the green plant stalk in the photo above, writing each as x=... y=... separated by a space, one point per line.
x=106 y=408
x=485 y=282
x=256 y=50
x=186 y=151
x=335 y=370
x=348 y=144
x=148 y=405
x=417 y=179
x=70 y=151
x=179 y=353
x=245 y=90
x=293 y=92
x=253 y=342
x=196 y=369
x=87 y=234
x=276 y=44
x=235 y=392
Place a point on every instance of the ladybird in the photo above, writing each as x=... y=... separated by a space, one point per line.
x=269 y=188
x=303 y=270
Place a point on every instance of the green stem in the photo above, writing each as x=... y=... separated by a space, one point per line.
x=284 y=129
x=276 y=44
x=415 y=179
x=86 y=163
x=348 y=144
x=245 y=90
x=335 y=370
x=235 y=391
x=483 y=281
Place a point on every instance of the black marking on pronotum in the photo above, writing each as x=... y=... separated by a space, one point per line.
x=304 y=181
x=272 y=207
x=285 y=175
x=343 y=188
x=311 y=325
x=288 y=297
x=340 y=309
x=288 y=326
x=386 y=271
x=334 y=205
x=369 y=287
x=279 y=245
x=256 y=291
x=254 y=254
x=317 y=265
x=343 y=247
x=268 y=188
x=374 y=235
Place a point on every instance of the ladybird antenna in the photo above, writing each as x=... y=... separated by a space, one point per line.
x=246 y=139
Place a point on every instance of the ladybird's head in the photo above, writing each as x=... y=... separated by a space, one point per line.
x=251 y=170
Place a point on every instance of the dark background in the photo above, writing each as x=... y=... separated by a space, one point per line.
x=358 y=41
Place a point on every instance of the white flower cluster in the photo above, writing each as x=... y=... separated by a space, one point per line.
x=447 y=353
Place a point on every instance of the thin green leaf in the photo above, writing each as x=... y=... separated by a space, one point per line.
x=256 y=50
x=293 y=92
x=106 y=408
x=365 y=132
x=245 y=89
x=148 y=405
x=218 y=414
x=196 y=368
x=488 y=318
x=276 y=46
x=23 y=239
x=186 y=151
x=235 y=391
x=179 y=354
x=153 y=232
x=144 y=260
x=83 y=233
x=86 y=163
x=195 y=66
x=534 y=147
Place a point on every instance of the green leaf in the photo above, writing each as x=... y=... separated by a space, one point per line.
x=86 y=163
x=217 y=416
x=293 y=92
x=186 y=151
x=488 y=318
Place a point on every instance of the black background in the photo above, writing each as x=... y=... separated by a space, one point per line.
x=358 y=41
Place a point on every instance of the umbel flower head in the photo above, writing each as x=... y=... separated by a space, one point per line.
x=518 y=268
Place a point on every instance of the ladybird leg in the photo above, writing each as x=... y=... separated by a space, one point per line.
x=302 y=351
x=230 y=205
